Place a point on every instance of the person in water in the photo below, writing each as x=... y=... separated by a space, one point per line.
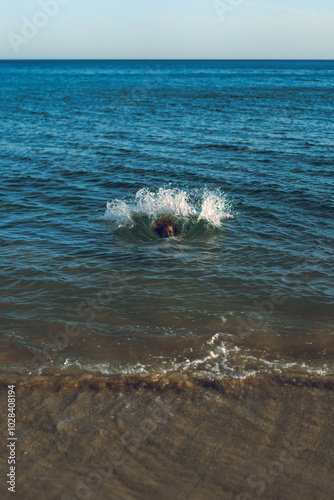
x=165 y=227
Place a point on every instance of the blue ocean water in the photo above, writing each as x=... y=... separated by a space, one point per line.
x=240 y=153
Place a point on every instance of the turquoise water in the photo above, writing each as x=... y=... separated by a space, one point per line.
x=240 y=153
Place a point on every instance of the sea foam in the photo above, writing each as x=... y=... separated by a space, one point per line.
x=211 y=205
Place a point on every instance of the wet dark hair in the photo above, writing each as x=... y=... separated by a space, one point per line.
x=161 y=224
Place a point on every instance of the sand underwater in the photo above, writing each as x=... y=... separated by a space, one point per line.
x=131 y=437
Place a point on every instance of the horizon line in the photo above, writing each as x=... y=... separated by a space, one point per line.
x=164 y=59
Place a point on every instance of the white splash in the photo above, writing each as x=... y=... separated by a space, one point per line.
x=215 y=207
x=210 y=205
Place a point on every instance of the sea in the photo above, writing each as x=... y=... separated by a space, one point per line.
x=240 y=154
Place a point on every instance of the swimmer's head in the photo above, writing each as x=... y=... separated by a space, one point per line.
x=165 y=227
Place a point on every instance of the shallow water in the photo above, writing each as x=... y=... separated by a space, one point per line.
x=240 y=153
x=101 y=437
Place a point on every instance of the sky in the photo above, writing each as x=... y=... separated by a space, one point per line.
x=166 y=29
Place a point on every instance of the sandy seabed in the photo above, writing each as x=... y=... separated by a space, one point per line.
x=135 y=438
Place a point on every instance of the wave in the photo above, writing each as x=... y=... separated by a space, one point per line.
x=199 y=213
x=215 y=359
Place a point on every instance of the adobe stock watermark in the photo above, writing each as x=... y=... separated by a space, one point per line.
x=266 y=475
x=86 y=312
x=132 y=439
x=31 y=27
x=266 y=308
x=225 y=7
x=134 y=95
